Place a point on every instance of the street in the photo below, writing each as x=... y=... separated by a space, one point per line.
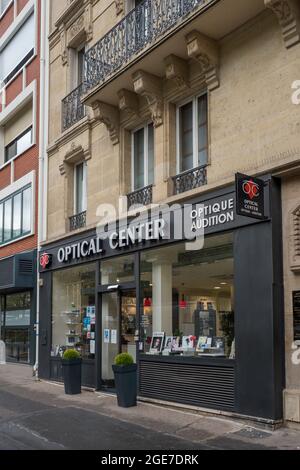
x=38 y=416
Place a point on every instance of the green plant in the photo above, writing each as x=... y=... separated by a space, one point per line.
x=178 y=333
x=71 y=355
x=124 y=359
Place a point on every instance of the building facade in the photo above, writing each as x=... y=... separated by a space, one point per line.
x=20 y=55
x=162 y=103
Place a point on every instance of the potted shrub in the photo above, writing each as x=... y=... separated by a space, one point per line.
x=125 y=372
x=71 y=366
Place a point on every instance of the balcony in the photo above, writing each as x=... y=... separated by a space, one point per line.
x=72 y=108
x=142 y=197
x=190 y=179
x=145 y=24
x=149 y=34
x=77 y=221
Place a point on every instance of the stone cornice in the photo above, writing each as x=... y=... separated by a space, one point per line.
x=128 y=102
x=288 y=15
x=177 y=70
x=110 y=117
x=150 y=87
x=71 y=11
x=206 y=52
x=120 y=6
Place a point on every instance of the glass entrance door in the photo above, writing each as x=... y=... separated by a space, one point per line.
x=118 y=330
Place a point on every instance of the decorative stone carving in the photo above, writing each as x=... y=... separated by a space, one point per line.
x=64 y=50
x=288 y=14
x=77 y=32
x=75 y=154
x=110 y=116
x=177 y=70
x=150 y=87
x=206 y=52
x=119 y=6
x=128 y=102
x=76 y=26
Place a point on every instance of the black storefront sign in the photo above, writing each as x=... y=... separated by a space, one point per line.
x=250 y=197
x=296 y=314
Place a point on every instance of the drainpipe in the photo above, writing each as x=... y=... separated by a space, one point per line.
x=43 y=160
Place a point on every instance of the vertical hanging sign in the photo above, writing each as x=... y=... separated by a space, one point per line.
x=250 y=196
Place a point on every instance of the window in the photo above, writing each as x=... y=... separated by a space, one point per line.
x=188 y=299
x=15 y=216
x=192 y=134
x=80 y=66
x=15 y=323
x=118 y=270
x=3 y=5
x=18 y=51
x=143 y=157
x=74 y=311
x=80 y=188
x=18 y=145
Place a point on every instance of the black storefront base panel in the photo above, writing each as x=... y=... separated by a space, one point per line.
x=87 y=372
x=201 y=383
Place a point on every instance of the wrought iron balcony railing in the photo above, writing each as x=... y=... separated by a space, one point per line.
x=145 y=24
x=190 y=179
x=77 y=221
x=72 y=108
x=141 y=196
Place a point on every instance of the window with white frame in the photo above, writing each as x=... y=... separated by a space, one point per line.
x=18 y=132
x=16 y=215
x=80 y=188
x=16 y=53
x=192 y=134
x=143 y=157
x=19 y=145
x=3 y=5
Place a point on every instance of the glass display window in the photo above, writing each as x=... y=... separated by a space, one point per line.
x=188 y=298
x=118 y=270
x=15 y=322
x=74 y=311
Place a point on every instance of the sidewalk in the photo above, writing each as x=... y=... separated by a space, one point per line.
x=17 y=381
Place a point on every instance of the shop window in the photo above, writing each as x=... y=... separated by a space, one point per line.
x=192 y=134
x=16 y=216
x=74 y=312
x=80 y=188
x=15 y=323
x=188 y=300
x=117 y=271
x=143 y=157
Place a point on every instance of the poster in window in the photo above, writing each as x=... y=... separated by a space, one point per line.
x=157 y=342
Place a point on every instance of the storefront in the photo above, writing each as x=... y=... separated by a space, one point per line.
x=204 y=321
x=18 y=307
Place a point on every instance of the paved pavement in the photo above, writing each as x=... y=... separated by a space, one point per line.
x=37 y=415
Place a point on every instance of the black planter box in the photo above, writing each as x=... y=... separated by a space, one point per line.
x=126 y=385
x=72 y=376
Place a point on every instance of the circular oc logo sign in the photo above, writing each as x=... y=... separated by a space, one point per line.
x=45 y=260
x=251 y=189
